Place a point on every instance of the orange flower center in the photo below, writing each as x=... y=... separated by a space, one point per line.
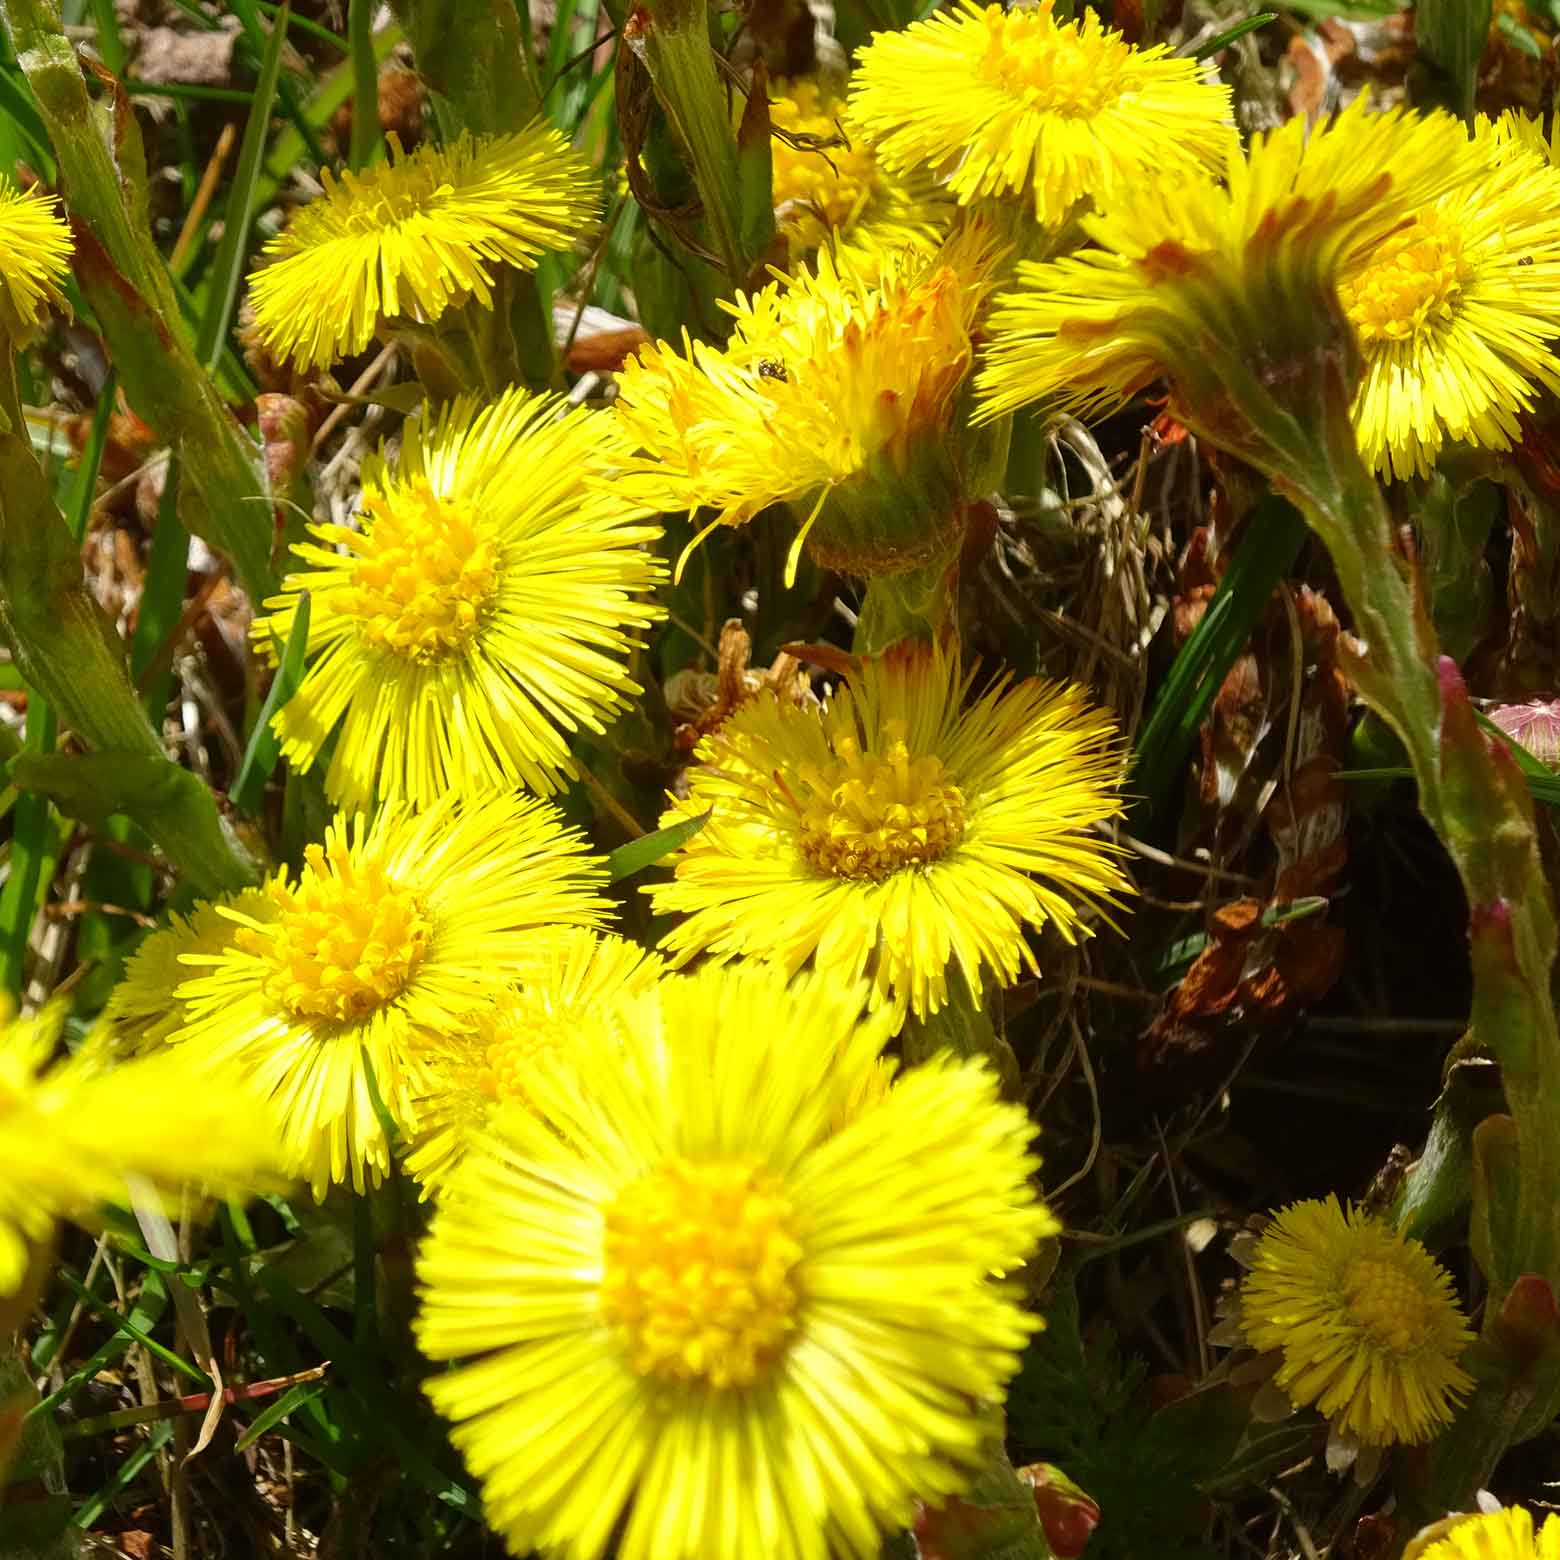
x=699 y=1281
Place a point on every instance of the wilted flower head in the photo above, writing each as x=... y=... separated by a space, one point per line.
x=836 y=394
x=409 y=238
x=1014 y=103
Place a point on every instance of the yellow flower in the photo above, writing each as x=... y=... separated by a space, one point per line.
x=837 y=384
x=822 y=189
x=409 y=238
x=898 y=831
x=707 y=1325
x=1516 y=132
x=1364 y=1319
x=73 y=1132
x=143 y=1008
x=34 y=256
x=1506 y=1534
x=481 y=614
x=1004 y=102
x=1454 y=313
x=1196 y=281
x=377 y=952
x=577 y=979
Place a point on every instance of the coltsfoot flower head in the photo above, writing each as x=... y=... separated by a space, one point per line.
x=1506 y=1534
x=1364 y=1320
x=411 y=237
x=143 y=1008
x=899 y=831
x=681 y=1280
x=393 y=934
x=577 y=979
x=34 y=255
x=826 y=183
x=483 y=612
x=836 y=394
x=1197 y=281
x=1015 y=103
x=72 y=1131
x=1455 y=313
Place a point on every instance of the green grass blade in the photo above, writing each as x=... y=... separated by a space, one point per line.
x=123 y=1476
x=329 y=95
x=122 y=1323
x=145 y=1313
x=16 y=107
x=264 y=746
x=34 y=835
x=162 y=602
x=1230 y=34
x=1275 y=532
x=228 y=268
x=111 y=45
x=273 y=1414
x=366 y=1375
x=367 y=142
x=638 y=854
x=248 y=14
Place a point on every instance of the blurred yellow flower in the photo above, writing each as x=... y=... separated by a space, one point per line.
x=35 y=251
x=143 y=1009
x=1506 y=1534
x=393 y=934
x=1013 y=102
x=577 y=979
x=898 y=831
x=705 y=1324
x=483 y=612
x=826 y=183
x=409 y=238
x=1364 y=1320
x=1194 y=281
x=837 y=384
x=73 y=1132
x=1455 y=313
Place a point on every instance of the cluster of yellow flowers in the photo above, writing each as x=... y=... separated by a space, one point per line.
x=724 y=1280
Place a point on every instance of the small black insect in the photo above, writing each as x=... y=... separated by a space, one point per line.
x=1525 y=260
x=772 y=368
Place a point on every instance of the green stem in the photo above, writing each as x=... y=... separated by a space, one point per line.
x=1397 y=675
x=915 y=603
x=1473 y=797
x=367 y=143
